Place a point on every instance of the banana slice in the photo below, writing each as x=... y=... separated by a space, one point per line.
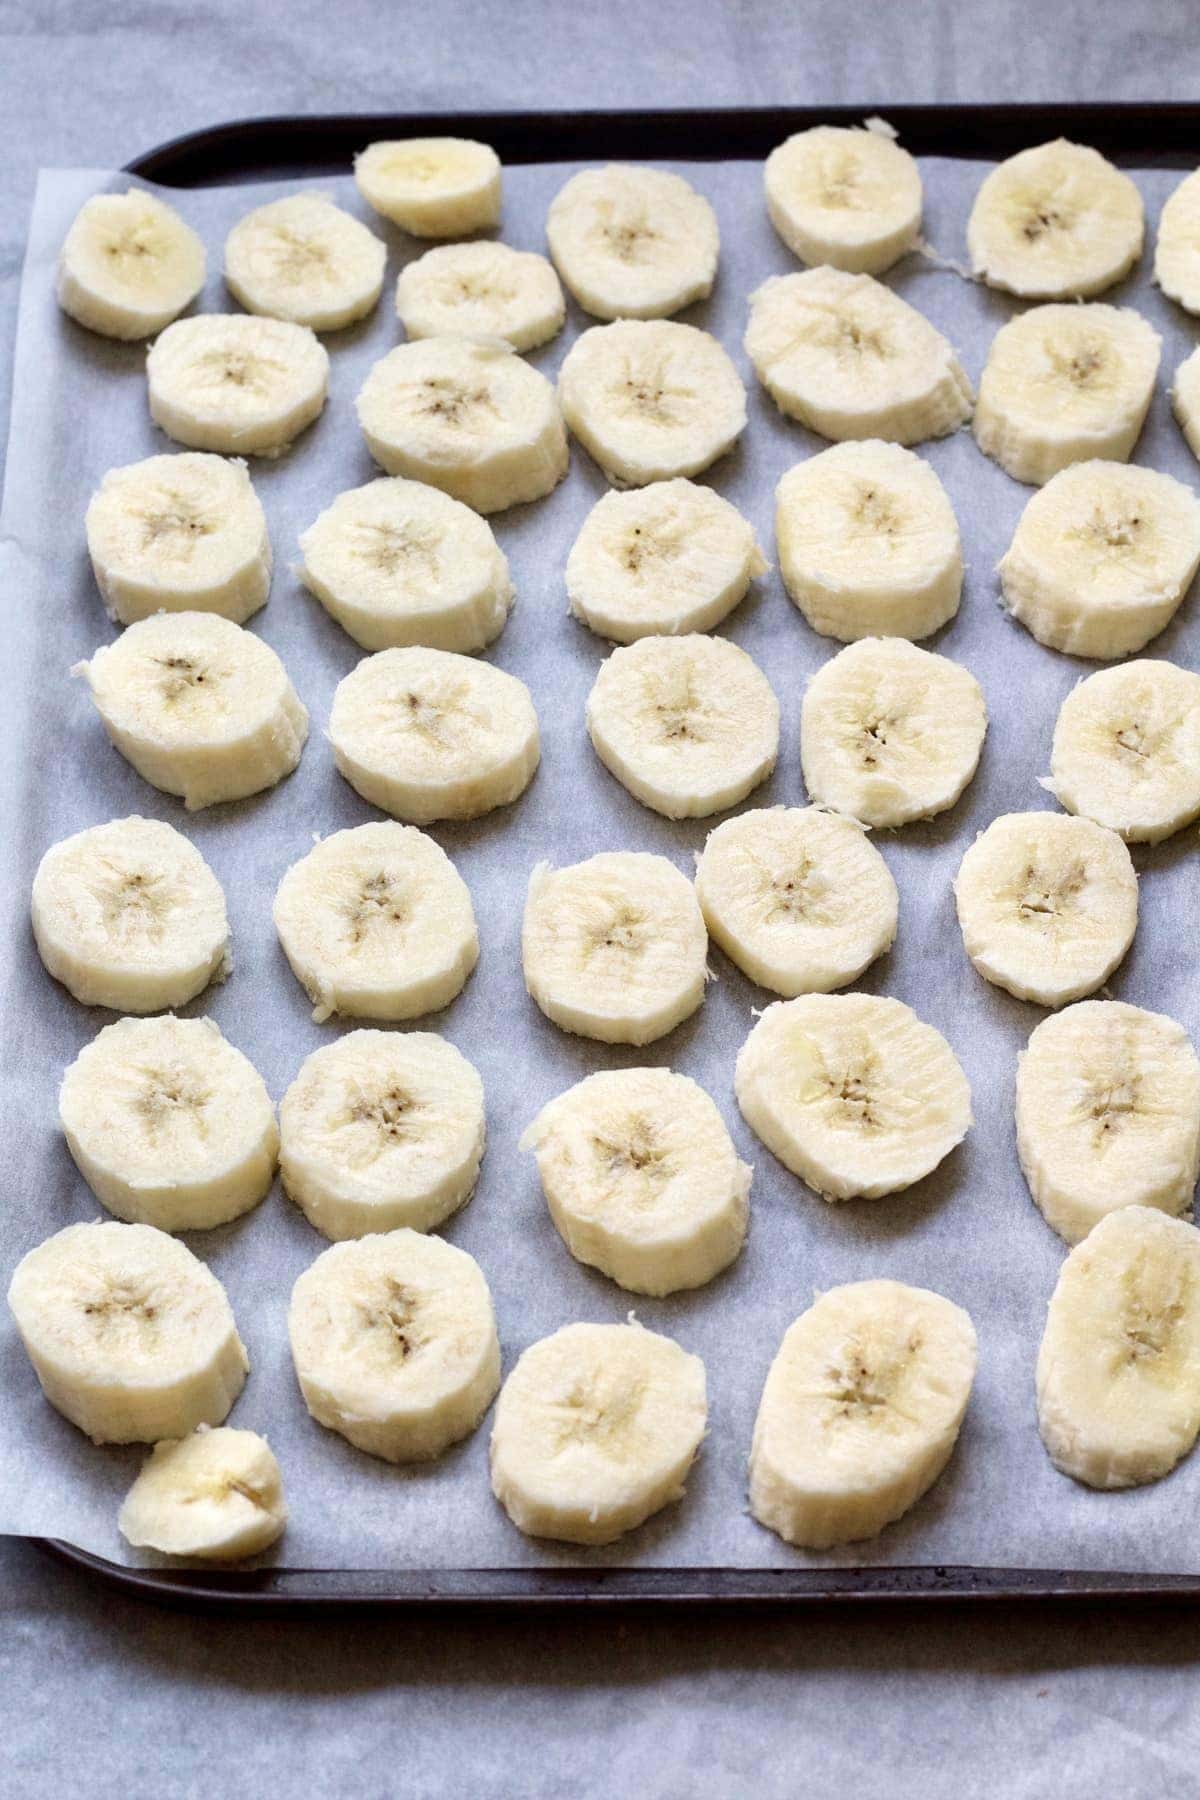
x=1118 y=1372
x=890 y=733
x=852 y=1092
x=481 y=290
x=1185 y=400
x=1064 y=384
x=849 y=199
x=596 y=1428
x=438 y=187
x=1177 y=253
x=860 y=1412
x=642 y=1179
x=183 y=533
x=1057 y=222
x=650 y=399
x=129 y=915
x=633 y=243
x=381 y=1130
x=1127 y=750
x=377 y=923
x=168 y=1124
x=129 y=265
x=1101 y=558
x=306 y=260
x=130 y=1335
x=1048 y=905
x=868 y=543
x=850 y=359
x=1108 y=1114
x=688 y=724
x=395 y=1346
x=797 y=898
x=216 y=1494
x=614 y=948
x=468 y=416
x=238 y=385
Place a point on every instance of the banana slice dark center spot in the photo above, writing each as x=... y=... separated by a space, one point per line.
x=177 y=522
x=1046 y=900
x=379 y=902
x=621 y=935
x=452 y=402
x=596 y=1413
x=239 y=369
x=1044 y=219
x=169 y=1098
x=121 y=1312
x=392 y=1311
x=394 y=1112
x=297 y=257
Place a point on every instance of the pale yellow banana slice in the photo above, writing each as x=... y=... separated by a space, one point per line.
x=439 y=187
x=1127 y=750
x=306 y=260
x=242 y=386
x=847 y=198
x=1185 y=400
x=129 y=265
x=1177 y=252
x=482 y=289
x=1057 y=222
x=217 y=1494
x=633 y=243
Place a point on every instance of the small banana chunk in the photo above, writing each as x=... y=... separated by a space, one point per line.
x=306 y=260
x=394 y=1342
x=129 y=265
x=850 y=199
x=642 y=1179
x=1177 y=252
x=439 y=187
x=860 y=1412
x=596 y=1428
x=633 y=243
x=217 y=1494
x=688 y=724
x=1185 y=400
x=377 y=923
x=1127 y=750
x=129 y=1334
x=1108 y=1114
x=241 y=386
x=129 y=915
x=482 y=289
x=614 y=948
x=1057 y=222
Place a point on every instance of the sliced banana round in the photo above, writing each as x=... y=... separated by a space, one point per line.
x=1177 y=252
x=377 y=923
x=304 y=259
x=1108 y=1114
x=847 y=198
x=848 y=358
x=650 y=399
x=868 y=542
x=482 y=289
x=439 y=187
x=217 y=1494
x=1065 y=384
x=1185 y=400
x=394 y=1342
x=1048 y=905
x=1101 y=558
x=130 y=1335
x=633 y=243
x=860 y=1412
x=169 y=1124
x=129 y=265
x=129 y=915
x=239 y=385
x=688 y=724
x=1127 y=750
x=1057 y=222
x=890 y=733
x=596 y=1428
x=381 y=1130
x=614 y=948
x=642 y=1179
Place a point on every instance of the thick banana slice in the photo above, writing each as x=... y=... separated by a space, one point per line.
x=868 y=543
x=850 y=359
x=382 y=1129
x=306 y=260
x=129 y=915
x=650 y=399
x=1064 y=384
x=217 y=1494
x=377 y=923
x=482 y=289
x=1127 y=750
x=130 y=1335
x=852 y=1092
x=238 y=385
x=614 y=948
x=129 y=265
x=169 y=1124
x=847 y=198
x=1185 y=400
x=395 y=1346
x=642 y=1179
x=1048 y=905
x=1177 y=253
x=439 y=187
x=1057 y=222
x=1102 y=557
x=1108 y=1114
x=890 y=733
x=633 y=243
x=468 y=416
x=596 y=1428
x=688 y=724
x=1118 y=1372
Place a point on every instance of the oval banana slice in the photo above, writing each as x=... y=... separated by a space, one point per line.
x=130 y=1335
x=217 y=1494
x=688 y=724
x=482 y=289
x=633 y=243
x=860 y=1412
x=1177 y=252
x=1127 y=750
x=381 y=1130
x=377 y=923
x=168 y=1124
x=1057 y=222
x=129 y=265
x=129 y=915
x=642 y=1179
x=433 y=187
x=614 y=948
x=242 y=386
x=304 y=259
x=1185 y=400
x=596 y=1428
x=394 y=1342
x=847 y=198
